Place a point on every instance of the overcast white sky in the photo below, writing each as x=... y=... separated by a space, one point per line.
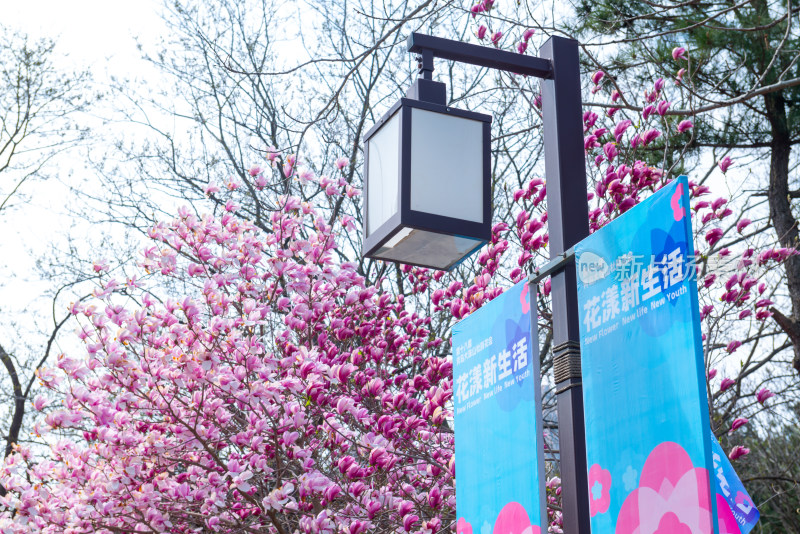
x=98 y=35
x=95 y=35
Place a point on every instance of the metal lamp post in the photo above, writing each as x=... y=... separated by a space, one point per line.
x=400 y=228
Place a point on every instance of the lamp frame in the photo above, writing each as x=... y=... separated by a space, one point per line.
x=405 y=217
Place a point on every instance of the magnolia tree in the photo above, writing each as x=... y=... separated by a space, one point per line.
x=282 y=395
x=282 y=392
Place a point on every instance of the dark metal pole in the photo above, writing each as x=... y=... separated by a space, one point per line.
x=568 y=218
x=568 y=221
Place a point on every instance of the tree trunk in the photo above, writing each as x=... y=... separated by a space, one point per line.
x=19 y=407
x=780 y=209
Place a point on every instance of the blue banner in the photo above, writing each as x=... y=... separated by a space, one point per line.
x=736 y=511
x=647 y=442
x=498 y=429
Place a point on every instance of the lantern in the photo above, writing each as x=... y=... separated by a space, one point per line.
x=427 y=194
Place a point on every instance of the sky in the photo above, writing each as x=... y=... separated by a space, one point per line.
x=94 y=35
x=100 y=36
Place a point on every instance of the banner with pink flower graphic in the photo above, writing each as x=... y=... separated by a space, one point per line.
x=735 y=509
x=648 y=446
x=498 y=428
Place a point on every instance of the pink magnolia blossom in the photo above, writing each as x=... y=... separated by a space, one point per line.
x=724 y=164
x=610 y=150
x=678 y=52
x=589 y=120
x=496 y=36
x=726 y=383
x=649 y=136
x=763 y=314
x=409 y=521
x=763 y=395
x=620 y=128
x=597 y=76
x=737 y=452
x=763 y=303
x=342 y=162
x=738 y=423
x=713 y=235
x=626 y=204
x=733 y=345
x=685 y=125
x=742 y=224
x=482 y=32
x=528 y=34
x=39 y=403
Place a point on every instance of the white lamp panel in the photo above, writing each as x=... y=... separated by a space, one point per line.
x=384 y=169
x=446 y=165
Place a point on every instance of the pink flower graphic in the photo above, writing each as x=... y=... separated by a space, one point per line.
x=727 y=521
x=513 y=519
x=670 y=524
x=678 y=211
x=673 y=496
x=523 y=299
x=462 y=527
x=599 y=484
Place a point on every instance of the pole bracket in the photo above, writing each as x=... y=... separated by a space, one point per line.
x=555 y=264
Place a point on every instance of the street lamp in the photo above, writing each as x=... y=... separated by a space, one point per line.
x=393 y=233
x=427 y=181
